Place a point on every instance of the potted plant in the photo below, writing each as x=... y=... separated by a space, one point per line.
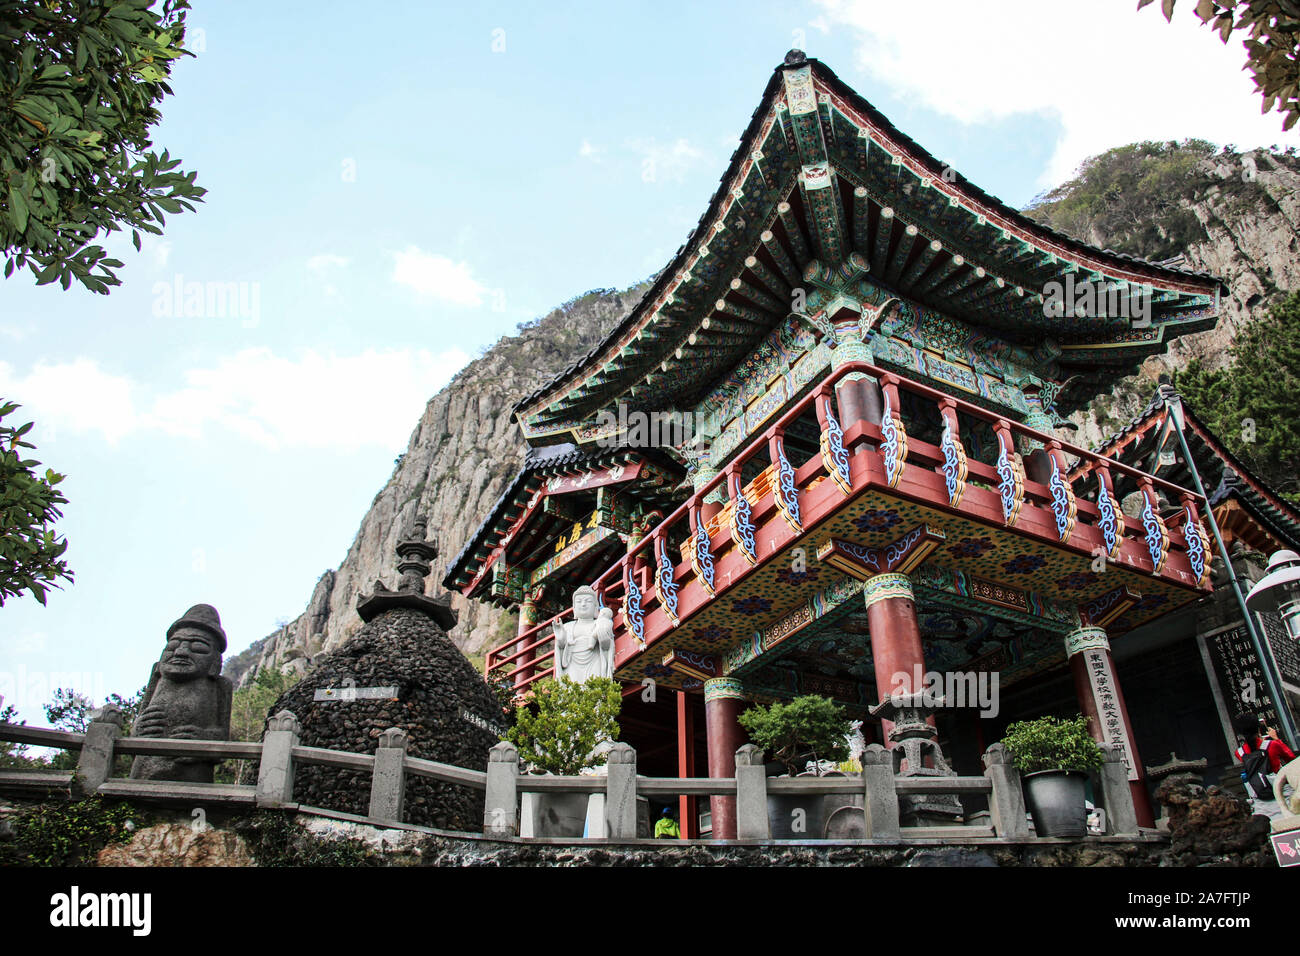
x=1054 y=756
x=559 y=730
x=808 y=728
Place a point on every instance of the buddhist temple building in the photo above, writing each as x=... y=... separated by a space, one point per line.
x=871 y=358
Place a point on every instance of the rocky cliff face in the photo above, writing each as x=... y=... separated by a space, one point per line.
x=465 y=450
x=1248 y=208
x=462 y=454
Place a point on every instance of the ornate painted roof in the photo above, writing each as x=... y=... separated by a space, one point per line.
x=822 y=183
x=541 y=466
x=1238 y=496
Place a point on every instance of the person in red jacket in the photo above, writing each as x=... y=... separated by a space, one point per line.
x=1256 y=735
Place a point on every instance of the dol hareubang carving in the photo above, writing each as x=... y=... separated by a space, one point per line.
x=187 y=698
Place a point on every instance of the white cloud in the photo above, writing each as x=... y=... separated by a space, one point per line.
x=662 y=162
x=76 y=395
x=326 y=262
x=1111 y=74
x=437 y=277
x=271 y=401
x=588 y=151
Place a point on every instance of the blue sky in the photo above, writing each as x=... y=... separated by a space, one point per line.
x=393 y=190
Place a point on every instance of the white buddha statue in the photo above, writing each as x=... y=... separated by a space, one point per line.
x=584 y=647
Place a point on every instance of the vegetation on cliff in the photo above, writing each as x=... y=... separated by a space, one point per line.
x=1250 y=404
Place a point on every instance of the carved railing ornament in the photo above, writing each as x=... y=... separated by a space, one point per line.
x=632 y=612
x=893 y=445
x=1011 y=484
x=1157 y=535
x=784 y=490
x=954 y=464
x=834 y=457
x=702 y=558
x=1064 y=508
x=742 y=528
x=1197 y=545
x=664 y=582
x=1112 y=528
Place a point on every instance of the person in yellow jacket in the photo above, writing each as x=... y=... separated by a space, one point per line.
x=666 y=826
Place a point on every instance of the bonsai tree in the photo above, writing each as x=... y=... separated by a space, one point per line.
x=560 y=726
x=807 y=728
x=1052 y=743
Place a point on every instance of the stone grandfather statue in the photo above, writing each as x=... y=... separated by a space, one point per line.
x=187 y=698
x=584 y=647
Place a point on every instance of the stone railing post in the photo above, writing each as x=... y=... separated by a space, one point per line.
x=1007 y=801
x=388 y=782
x=95 y=765
x=751 y=795
x=501 y=802
x=881 y=795
x=275 y=770
x=1121 y=815
x=620 y=793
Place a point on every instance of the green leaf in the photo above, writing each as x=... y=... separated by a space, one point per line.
x=17 y=210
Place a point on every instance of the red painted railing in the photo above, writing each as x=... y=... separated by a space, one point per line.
x=649 y=573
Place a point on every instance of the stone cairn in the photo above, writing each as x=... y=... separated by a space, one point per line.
x=400 y=671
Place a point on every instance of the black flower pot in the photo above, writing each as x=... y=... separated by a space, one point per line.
x=1056 y=801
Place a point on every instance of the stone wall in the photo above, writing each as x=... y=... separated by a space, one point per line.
x=318 y=838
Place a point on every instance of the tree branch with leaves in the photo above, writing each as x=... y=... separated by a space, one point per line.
x=80 y=84
x=31 y=554
x=1271 y=47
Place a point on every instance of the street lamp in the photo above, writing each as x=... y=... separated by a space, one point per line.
x=1279 y=591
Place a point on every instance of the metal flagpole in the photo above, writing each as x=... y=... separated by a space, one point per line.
x=1175 y=407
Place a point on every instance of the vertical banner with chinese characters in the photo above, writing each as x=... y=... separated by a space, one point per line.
x=1101 y=676
x=1239 y=676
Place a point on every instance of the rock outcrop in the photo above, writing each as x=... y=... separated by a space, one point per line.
x=178 y=844
x=462 y=454
x=1248 y=207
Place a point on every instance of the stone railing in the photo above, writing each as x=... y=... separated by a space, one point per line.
x=879 y=787
x=279 y=754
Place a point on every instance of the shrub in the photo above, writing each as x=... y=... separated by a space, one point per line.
x=1052 y=743
x=563 y=722
x=807 y=728
x=68 y=834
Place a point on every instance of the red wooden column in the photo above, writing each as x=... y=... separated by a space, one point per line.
x=724 y=700
x=688 y=814
x=1097 y=686
x=895 y=638
x=529 y=616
